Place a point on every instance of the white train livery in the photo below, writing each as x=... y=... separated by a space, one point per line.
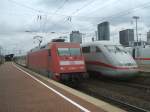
x=141 y=54
x=109 y=59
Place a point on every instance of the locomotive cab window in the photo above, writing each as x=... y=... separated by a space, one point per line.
x=86 y=49
x=63 y=52
x=75 y=51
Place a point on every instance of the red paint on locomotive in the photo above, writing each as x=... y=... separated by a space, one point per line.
x=57 y=59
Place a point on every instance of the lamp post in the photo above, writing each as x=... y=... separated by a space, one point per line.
x=136 y=19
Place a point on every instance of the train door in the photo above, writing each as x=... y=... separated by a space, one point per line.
x=86 y=52
x=50 y=74
x=136 y=52
x=133 y=53
x=96 y=52
x=96 y=56
x=93 y=50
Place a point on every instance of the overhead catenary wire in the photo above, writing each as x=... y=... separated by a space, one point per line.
x=35 y=9
x=123 y=13
x=82 y=7
x=47 y=17
x=16 y=13
x=126 y=12
x=42 y=12
x=105 y=5
x=47 y=13
x=73 y=14
x=25 y=6
x=39 y=11
x=60 y=7
x=69 y=18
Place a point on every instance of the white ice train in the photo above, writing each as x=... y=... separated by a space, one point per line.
x=109 y=59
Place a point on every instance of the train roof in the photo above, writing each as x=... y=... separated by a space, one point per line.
x=46 y=46
x=38 y=48
x=100 y=43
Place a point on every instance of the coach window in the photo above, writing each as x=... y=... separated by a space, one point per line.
x=86 y=49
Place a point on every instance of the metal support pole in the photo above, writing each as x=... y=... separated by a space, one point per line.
x=136 y=18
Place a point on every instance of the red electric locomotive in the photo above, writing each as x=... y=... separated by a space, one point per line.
x=58 y=60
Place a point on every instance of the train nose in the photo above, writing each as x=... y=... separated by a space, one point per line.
x=125 y=60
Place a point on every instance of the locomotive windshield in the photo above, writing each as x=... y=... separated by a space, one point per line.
x=75 y=51
x=69 y=51
x=115 y=48
x=63 y=52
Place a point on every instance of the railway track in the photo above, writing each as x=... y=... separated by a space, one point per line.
x=139 y=86
x=126 y=106
x=92 y=90
x=143 y=87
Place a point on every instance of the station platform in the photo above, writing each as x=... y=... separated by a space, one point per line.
x=22 y=92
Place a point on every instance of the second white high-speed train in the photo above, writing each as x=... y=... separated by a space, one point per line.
x=109 y=59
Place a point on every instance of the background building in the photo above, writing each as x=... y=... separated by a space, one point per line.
x=139 y=43
x=148 y=37
x=76 y=36
x=126 y=37
x=103 y=31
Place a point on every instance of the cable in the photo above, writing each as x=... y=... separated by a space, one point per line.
x=41 y=11
x=60 y=7
x=16 y=14
x=69 y=18
x=82 y=7
x=128 y=11
x=45 y=13
x=34 y=9
x=25 y=6
x=105 y=5
x=125 y=12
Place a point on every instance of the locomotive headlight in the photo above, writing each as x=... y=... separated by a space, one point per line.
x=56 y=74
x=62 y=68
x=82 y=67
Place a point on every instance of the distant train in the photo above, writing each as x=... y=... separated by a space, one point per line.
x=141 y=54
x=60 y=61
x=9 y=57
x=109 y=59
x=2 y=59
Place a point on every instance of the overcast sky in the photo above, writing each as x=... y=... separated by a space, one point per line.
x=63 y=16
